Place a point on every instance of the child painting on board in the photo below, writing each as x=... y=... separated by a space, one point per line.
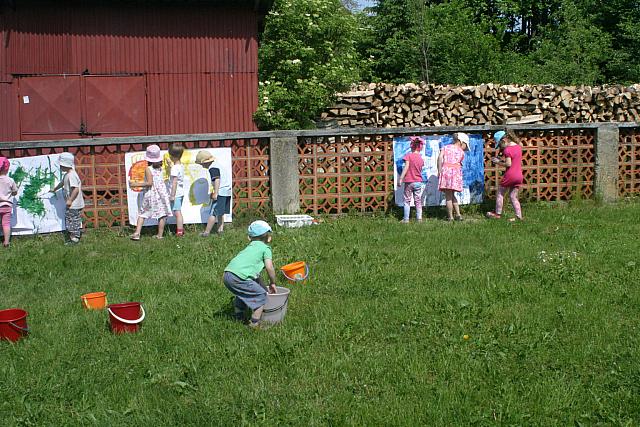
x=8 y=190
x=411 y=178
x=176 y=186
x=242 y=275
x=511 y=158
x=220 y=194
x=450 y=173
x=74 y=201
x=155 y=198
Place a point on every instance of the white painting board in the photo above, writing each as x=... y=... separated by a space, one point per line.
x=472 y=169
x=36 y=209
x=197 y=184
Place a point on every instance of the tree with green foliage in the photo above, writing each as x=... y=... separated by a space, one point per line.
x=506 y=41
x=307 y=54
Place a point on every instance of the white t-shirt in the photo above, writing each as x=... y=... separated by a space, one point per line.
x=177 y=173
x=70 y=181
x=225 y=182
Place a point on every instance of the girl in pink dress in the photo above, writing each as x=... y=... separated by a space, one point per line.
x=155 y=200
x=512 y=178
x=411 y=177
x=450 y=173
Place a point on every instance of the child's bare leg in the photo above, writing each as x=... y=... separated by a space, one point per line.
x=211 y=221
x=161 y=223
x=139 y=224
x=220 y=222
x=456 y=205
x=179 y=223
x=448 y=195
x=257 y=314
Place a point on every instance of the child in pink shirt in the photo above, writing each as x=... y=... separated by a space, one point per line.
x=411 y=177
x=8 y=190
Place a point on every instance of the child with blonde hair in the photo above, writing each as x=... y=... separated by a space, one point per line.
x=155 y=198
x=8 y=190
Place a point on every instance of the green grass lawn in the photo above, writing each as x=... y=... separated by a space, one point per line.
x=551 y=308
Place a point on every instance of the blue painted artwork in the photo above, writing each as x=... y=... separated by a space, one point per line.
x=472 y=169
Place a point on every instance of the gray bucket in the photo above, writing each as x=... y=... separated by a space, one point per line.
x=276 y=306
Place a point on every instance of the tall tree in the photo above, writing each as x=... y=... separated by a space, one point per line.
x=307 y=54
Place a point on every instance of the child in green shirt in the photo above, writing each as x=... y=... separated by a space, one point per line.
x=242 y=275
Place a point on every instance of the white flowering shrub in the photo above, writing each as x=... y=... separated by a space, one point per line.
x=307 y=54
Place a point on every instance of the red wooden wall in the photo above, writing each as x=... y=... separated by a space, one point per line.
x=70 y=70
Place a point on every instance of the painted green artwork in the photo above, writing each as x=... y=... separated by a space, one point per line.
x=37 y=209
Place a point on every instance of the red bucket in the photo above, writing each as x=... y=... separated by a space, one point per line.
x=13 y=324
x=125 y=317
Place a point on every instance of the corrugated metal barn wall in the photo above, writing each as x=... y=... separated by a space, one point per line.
x=199 y=62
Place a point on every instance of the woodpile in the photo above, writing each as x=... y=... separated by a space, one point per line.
x=412 y=105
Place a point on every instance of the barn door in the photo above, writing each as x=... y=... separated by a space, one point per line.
x=59 y=107
x=50 y=107
x=115 y=106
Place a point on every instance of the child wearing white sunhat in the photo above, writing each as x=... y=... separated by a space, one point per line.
x=155 y=198
x=74 y=201
x=450 y=173
x=242 y=275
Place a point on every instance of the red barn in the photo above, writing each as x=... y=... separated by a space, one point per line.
x=71 y=69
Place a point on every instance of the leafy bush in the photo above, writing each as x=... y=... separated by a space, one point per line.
x=307 y=54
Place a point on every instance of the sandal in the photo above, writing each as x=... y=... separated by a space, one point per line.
x=515 y=219
x=493 y=215
x=135 y=237
x=158 y=237
x=459 y=218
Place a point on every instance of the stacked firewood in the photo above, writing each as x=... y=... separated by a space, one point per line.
x=412 y=105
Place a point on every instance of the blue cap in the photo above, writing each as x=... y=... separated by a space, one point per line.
x=498 y=137
x=258 y=228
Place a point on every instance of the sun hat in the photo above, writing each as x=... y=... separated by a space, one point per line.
x=498 y=137
x=4 y=163
x=204 y=156
x=152 y=155
x=463 y=137
x=258 y=228
x=66 y=160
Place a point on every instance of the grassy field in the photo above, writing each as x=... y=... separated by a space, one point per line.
x=550 y=308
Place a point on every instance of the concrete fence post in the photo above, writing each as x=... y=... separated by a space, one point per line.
x=606 y=162
x=285 y=186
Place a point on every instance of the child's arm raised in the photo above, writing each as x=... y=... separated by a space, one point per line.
x=268 y=265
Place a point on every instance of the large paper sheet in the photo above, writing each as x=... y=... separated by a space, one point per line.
x=36 y=209
x=197 y=183
x=472 y=169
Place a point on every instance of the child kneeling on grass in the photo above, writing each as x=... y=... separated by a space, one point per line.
x=242 y=275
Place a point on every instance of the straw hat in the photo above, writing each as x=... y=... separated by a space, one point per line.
x=204 y=156
x=152 y=155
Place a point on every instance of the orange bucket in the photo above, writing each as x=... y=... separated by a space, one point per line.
x=94 y=300
x=296 y=271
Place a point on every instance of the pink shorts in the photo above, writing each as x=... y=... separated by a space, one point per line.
x=5 y=214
